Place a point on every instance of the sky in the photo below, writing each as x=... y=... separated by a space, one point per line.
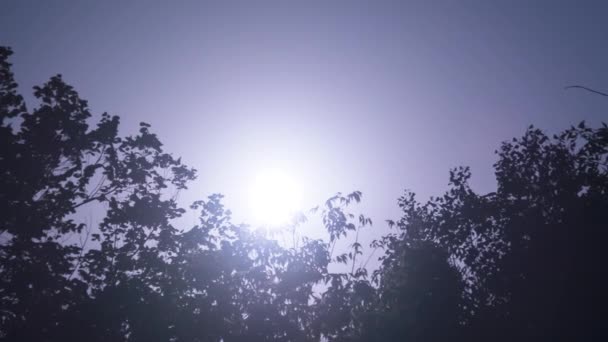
x=375 y=96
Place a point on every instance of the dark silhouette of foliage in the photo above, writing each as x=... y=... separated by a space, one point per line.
x=135 y=276
x=522 y=263
x=529 y=253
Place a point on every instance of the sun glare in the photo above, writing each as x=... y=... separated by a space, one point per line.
x=274 y=197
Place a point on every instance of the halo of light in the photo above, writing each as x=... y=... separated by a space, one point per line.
x=274 y=197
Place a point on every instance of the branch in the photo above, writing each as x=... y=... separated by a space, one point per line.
x=369 y=258
x=332 y=248
x=146 y=239
x=82 y=246
x=91 y=199
x=355 y=249
x=587 y=89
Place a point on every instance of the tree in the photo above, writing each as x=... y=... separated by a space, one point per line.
x=522 y=263
x=419 y=296
x=52 y=164
x=531 y=252
x=134 y=276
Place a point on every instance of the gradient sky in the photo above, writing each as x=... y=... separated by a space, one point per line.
x=374 y=96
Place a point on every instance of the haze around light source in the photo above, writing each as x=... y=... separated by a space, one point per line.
x=274 y=197
x=343 y=95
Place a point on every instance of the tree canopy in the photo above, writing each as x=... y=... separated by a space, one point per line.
x=524 y=262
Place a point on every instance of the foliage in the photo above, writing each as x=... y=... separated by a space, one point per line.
x=520 y=263
x=135 y=276
x=530 y=253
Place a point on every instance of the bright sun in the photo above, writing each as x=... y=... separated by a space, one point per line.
x=274 y=197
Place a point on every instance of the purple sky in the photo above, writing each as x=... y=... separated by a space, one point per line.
x=372 y=96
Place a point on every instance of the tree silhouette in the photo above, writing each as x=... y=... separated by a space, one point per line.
x=52 y=164
x=529 y=253
x=135 y=276
x=522 y=263
x=419 y=297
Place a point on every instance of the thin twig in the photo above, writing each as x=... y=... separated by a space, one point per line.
x=82 y=247
x=369 y=258
x=332 y=248
x=355 y=250
x=587 y=89
x=91 y=199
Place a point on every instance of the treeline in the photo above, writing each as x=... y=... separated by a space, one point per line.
x=526 y=262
